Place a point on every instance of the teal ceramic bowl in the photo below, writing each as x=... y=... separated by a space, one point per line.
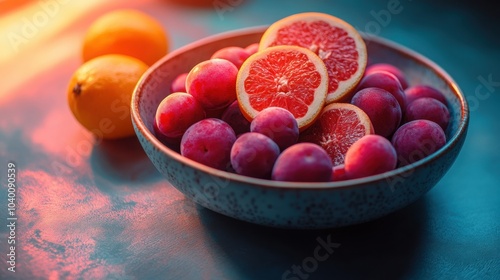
x=297 y=205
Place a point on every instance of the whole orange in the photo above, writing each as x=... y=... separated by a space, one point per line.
x=100 y=92
x=129 y=32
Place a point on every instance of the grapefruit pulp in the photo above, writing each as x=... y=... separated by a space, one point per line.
x=335 y=41
x=337 y=128
x=290 y=77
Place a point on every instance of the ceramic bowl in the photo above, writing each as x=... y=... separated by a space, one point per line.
x=297 y=205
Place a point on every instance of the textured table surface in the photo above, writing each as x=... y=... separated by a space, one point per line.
x=100 y=210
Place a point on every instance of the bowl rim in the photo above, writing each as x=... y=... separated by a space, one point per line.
x=266 y=183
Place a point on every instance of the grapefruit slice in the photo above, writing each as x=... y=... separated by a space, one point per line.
x=338 y=126
x=335 y=41
x=290 y=77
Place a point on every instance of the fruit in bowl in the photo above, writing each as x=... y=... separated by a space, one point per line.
x=294 y=204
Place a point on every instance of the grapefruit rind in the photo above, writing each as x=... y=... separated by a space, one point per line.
x=320 y=92
x=344 y=88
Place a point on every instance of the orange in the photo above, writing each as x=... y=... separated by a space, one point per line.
x=290 y=77
x=128 y=32
x=100 y=91
x=338 y=44
x=337 y=128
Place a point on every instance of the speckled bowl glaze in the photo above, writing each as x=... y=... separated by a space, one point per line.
x=297 y=205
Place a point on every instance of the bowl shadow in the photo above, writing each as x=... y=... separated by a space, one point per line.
x=122 y=162
x=381 y=249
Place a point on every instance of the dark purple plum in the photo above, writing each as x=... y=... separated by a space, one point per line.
x=303 y=162
x=381 y=107
x=213 y=83
x=209 y=142
x=370 y=155
x=419 y=91
x=387 y=81
x=176 y=113
x=254 y=154
x=427 y=108
x=236 y=55
x=278 y=124
x=233 y=116
x=416 y=140
x=179 y=83
x=252 y=48
x=389 y=68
